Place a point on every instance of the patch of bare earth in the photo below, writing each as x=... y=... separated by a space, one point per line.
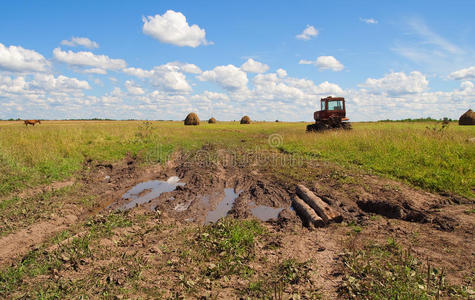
x=165 y=230
x=102 y=183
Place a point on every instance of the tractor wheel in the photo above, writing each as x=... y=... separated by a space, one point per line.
x=312 y=128
x=317 y=127
x=346 y=125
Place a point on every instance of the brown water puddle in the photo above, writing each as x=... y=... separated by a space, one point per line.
x=264 y=213
x=223 y=207
x=149 y=190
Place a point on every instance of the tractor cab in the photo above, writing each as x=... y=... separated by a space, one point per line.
x=331 y=107
x=331 y=116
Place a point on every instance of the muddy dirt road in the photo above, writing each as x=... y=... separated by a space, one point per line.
x=161 y=246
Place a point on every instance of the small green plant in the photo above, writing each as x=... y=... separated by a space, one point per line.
x=233 y=242
x=470 y=211
x=440 y=126
x=293 y=272
x=390 y=272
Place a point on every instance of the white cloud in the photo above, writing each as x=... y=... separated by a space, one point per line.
x=467 y=73
x=397 y=83
x=172 y=28
x=213 y=96
x=281 y=73
x=19 y=59
x=138 y=72
x=170 y=79
x=253 y=66
x=369 y=20
x=185 y=67
x=229 y=77
x=80 y=41
x=12 y=85
x=88 y=59
x=133 y=89
x=308 y=33
x=368 y=105
x=60 y=84
x=324 y=63
x=169 y=76
x=38 y=95
x=172 y=66
x=95 y=71
x=40 y=84
x=112 y=98
x=272 y=87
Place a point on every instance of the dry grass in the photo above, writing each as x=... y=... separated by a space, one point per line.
x=55 y=150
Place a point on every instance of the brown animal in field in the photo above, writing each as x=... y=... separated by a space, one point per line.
x=31 y=122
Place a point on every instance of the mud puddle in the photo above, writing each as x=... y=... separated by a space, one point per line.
x=223 y=207
x=148 y=190
x=263 y=212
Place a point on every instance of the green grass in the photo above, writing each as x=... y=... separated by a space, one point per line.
x=231 y=242
x=70 y=255
x=437 y=161
x=17 y=212
x=389 y=272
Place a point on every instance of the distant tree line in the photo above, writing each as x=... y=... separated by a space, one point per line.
x=428 y=119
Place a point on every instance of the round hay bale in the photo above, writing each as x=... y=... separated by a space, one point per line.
x=468 y=118
x=212 y=121
x=192 y=119
x=246 y=120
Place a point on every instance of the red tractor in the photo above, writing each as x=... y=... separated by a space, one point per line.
x=332 y=115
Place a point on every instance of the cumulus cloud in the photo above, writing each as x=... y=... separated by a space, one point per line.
x=33 y=96
x=40 y=84
x=281 y=73
x=173 y=66
x=253 y=66
x=273 y=87
x=172 y=28
x=88 y=59
x=369 y=20
x=60 y=84
x=19 y=59
x=80 y=41
x=184 y=67
x=170 y=79
x=133 y=89
x=307 y=33
x=95 y=71
x=467 y=73
x=324 y=63
x=397 y=83
x=138 y=72
x=229 y=77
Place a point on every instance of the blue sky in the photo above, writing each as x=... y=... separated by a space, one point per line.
x=267 y=59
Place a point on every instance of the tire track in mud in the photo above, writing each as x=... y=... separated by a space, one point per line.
x=204 y=190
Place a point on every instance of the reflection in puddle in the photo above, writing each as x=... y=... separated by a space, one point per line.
x=205 y=200
x=264 y=213
x=182 y=207
x=138 y=194
x=223 y=207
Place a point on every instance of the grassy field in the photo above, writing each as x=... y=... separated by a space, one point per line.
x=418 y=153
x=147 y=254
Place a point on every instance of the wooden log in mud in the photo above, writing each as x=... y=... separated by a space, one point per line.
x=306 y=213
x=327 y=213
